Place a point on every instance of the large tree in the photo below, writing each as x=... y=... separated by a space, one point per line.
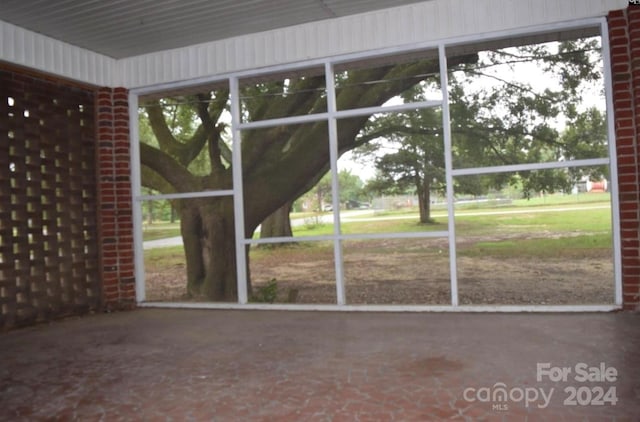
x=518 y=116
x=415 y=158
x=352 y=192
x=278 y=163
x=497 y=117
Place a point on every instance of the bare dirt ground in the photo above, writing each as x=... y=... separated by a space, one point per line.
x=414 y=272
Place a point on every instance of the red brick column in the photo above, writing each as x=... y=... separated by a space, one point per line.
x=624 y=37
x=115 y=208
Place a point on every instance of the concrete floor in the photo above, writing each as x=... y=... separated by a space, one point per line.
x=193 y=365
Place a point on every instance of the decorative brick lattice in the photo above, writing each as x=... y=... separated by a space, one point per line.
x=48 y=222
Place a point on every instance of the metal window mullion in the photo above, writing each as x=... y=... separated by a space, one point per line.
x=356 y=236
x=136 y=190
x=448 y=160
x=187 y=195
x=335 y=188
x=613 y=164
x=383 y=308
x=282 y=121
x=511 y=168
x=367 y=111
x=355 y=112
x=238 y=197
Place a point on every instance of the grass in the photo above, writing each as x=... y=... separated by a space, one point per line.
x=572 y=201
x=537 y=219
x=537 y=235
x=584 y=198
x=380 y=226
x=163 y=257
x=160 y=230
x=531 y=228
x=585 y=221
x=563 y=247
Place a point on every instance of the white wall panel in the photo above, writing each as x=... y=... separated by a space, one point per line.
x=26 y=48
x=401 y=26
x=422 y=22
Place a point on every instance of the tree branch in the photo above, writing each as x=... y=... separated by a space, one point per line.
x=155 y=181
x=213 y=133
x=174 y=173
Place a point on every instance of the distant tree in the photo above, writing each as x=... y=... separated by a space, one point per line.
x=515 y=122
x=416 y=158
x=351 y=188
x=506 y=122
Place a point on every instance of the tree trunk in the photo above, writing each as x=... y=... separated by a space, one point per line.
x=149 y=212
x=277 y=224
x=424 y=201
x=320 y=199
x=208 y=233
x=173 y=213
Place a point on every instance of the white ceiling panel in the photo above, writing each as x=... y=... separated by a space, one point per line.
x=125 y=28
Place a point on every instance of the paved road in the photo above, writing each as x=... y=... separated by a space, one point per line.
x=162 y=243
x=357 y=215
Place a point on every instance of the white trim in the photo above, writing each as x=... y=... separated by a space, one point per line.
x=186 y=195
x=370 y=54
x=613 y=165
x=36 y=51
x=307 y=118
x=238 y=198
x=167 y=86
x=136 y=185
x=399 y=235
x=353 y=236
x=289 y=239
x=530 y=166
x=383 y=308
x=331 y=117
x=341 y=297
x=448 y=164
x=356 y=112
x=417 y=24
x=365 y=111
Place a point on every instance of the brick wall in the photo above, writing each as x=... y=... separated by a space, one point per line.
x=48 y=206
x=115 y=209
x=624 y=36
x=115 y=224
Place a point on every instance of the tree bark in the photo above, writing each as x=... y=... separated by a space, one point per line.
x=208 y=234
x=424 y=201
x=277 y=224
x=173 y=212
x=150 y=212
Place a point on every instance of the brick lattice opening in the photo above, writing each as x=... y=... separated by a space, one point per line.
x=48 y=223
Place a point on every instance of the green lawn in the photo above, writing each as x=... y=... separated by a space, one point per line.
x=564 y=247
x=592 y=218
x=580 y=220
x=561 y=221
x=164 y=257
x=160 y=230
x=536 y=231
